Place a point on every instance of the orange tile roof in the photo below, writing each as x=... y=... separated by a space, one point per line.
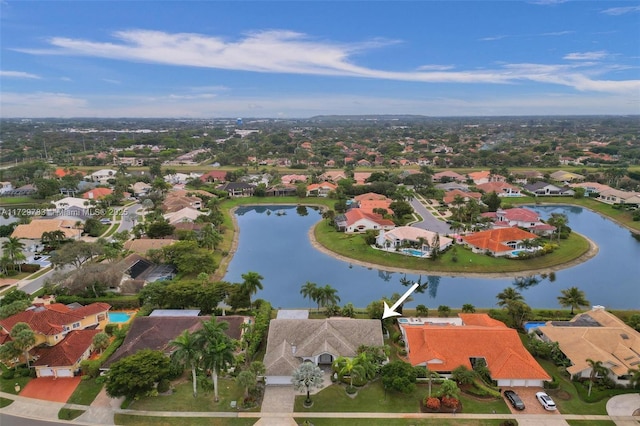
x=354 y=215
x=97 y=193
x=370 y=205
x=370 y=196
x=68 y=351
x=445 y=347
x=494 y=239
x=50 y=319
x=449 y=196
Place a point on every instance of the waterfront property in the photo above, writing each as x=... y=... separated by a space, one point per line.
x=500 y=242
x=411 y=241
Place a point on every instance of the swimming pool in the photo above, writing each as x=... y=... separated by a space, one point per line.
x=403 y=320
x=413 y=252
x=119 y=317
x=532 y=324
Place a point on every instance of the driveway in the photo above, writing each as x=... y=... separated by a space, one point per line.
x=50 y=388
x=531 y=404
x=624 y=405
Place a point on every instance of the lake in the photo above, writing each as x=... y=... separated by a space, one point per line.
x=278 y=248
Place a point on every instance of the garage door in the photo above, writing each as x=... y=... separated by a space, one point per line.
x=45 y=372
x=278 y=380
x=64 y=372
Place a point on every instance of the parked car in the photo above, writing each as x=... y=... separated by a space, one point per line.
x=546 y=401
x=514 y=399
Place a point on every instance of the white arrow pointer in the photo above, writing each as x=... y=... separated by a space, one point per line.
x=391 y=311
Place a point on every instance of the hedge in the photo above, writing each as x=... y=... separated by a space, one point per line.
x=116 y=302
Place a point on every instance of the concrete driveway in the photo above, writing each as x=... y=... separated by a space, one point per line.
x=531 y=404
x=624 y=405
x=51 y=389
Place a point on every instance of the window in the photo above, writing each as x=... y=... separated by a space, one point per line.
x=76 y=324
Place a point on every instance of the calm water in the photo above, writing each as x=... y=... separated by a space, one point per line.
x=277 y=247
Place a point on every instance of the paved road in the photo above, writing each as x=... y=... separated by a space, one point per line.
x=429 y=221
x=35 y=285
x=128 y=217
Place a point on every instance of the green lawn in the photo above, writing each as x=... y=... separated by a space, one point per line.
x=182 y=399
x=5 y=402
x=131 y=420
x=405 y=422
x=354 y=246
x=373 y=398
x=85 y=393
x=591 y=422
x=8 y=385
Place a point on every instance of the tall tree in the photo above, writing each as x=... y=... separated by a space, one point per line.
x=310 y=291
x=598 y=369
x=13 y=248
x=217 y=349
x=252 y=282
x=307 y=377
x=507 y=295
x=23 y=339
x=247 y=380
x=136 y=375
x=210 y=237
x=573 y=297
x=188 y=352
x=327 y=295
x=346 y=366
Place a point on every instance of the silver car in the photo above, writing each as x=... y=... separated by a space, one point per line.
x=546 y=401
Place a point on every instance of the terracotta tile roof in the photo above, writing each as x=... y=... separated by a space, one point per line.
x=449 y=196
x=354 y=215
x=480 y=319
x=494 y=239
x=50 y=319
x=369 y=205
x=519 y=214
x=369 y=196
x=68 y=351
x=445 y=347
x=324 y=185
x=497 y=187
x=35 y=229
x=143 y=245
x=214 y=175
x=97 y=193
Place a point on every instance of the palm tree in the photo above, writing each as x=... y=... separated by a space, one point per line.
x=306 y=377
x=188 y=351
x=345 y=366
x=430 y=376
x=23 y=338
x=13 y=248
x=210 y=237
x=100 y=341
x=217 y=349
x=252 y=283
x=573 y=297
x=597 y=369
x=327 y=295
x=468 y=308
x=507 y=295
x=634 y=378
x=310 y=291
x=247 y=380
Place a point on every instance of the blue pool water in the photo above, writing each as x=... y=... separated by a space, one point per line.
x=413 y=252
x=119 y=317
x=403 y=320
x=515 y=252
x=532 y=324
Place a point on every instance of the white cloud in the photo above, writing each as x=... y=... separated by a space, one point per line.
x=287 y=52
x=18 y=74
x=435 y=67
x=111 y=81
x=616 y=11
x=586 y=56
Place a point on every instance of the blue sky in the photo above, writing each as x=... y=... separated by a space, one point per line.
x=298 y=59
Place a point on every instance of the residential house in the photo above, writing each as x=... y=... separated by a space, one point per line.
x=321 y=341
x=97 y=193
x=361 y=177
x=409 y=236
x=616 y=196
x=237 y=189
x=37 y=227
x=544 y=189
x=500 y=242
x=333 y=176
x=320 y=189
x=450 y=186
x=5 y=187
x=597 y=335
x=293 y=179
x=503 y=189
x=67 y=202
x=450 y=196
x=186 y=214
x=175 y=201
x=140 y=189
x=102 y=176
x=369 y=196
x=282 y=190
x=485 y=176
x=143 y=245
x=590 y=187
x=444 y=347
x=566 y=177
x=138 y=271
x=523 y=177
x=214 y=176
x=65 y=358
x=52 y=324
x=181 y=178
x=357 y=220
x=157 y=331
x=448 y=176
x=372 y=206
x=520 y=217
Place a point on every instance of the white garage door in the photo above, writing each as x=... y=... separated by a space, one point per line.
x=278 y=380
x=64 y=372
x=45 y=372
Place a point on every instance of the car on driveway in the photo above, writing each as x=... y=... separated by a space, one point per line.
x=514 y=399
x=546 y=401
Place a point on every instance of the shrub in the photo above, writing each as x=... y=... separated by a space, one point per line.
x=29 y=267
x=432 y=403
x=90 y=368
x=8 y=374
x=163 y=386
x=111 y=328
x=450 y=402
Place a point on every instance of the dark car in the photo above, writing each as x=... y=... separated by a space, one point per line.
x=514 y=399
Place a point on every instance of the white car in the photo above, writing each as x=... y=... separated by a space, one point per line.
x=546 y=401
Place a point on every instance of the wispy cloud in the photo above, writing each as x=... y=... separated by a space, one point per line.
x=111 y=81
x=586 y=56
x=547 y=2
x=288 y=52
x=18 y=74
x=435 y=67
x=616 y=11
x=548 y=34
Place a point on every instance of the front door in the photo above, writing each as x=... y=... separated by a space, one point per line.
x=325 y=359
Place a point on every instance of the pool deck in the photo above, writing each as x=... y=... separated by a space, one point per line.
x=429 y=320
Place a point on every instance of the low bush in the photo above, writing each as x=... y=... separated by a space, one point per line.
x=163 y=386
